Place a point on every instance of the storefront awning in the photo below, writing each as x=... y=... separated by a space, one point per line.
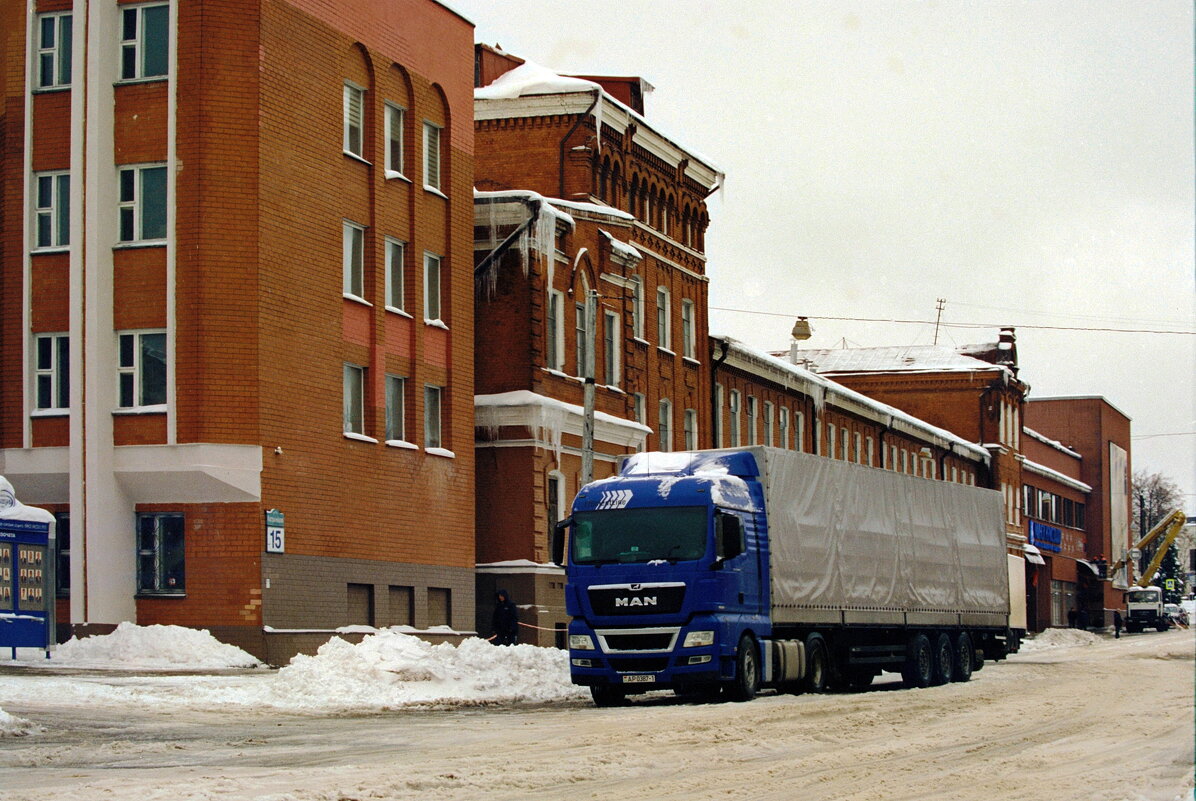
x=1090 y=566
x=1033 y=555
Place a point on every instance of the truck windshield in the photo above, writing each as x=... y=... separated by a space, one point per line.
x=1142 y=597
x=639 y=535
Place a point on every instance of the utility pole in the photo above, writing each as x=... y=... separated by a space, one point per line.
x=587 y=426
x=939 y=305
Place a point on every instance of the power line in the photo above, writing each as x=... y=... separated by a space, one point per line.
x=957 y=325
x=1173 y=434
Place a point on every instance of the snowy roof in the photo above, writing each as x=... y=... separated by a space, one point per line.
x=1045 y=440
x=560 y=207
x=1055 y=475
x=823 y=391
x=531 y=80
x=898 y=358
x=623 y=249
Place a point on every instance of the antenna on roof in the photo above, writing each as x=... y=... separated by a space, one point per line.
x=938 y=305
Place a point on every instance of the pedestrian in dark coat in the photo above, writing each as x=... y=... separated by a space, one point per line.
x=1117 y=624
x=505 y=621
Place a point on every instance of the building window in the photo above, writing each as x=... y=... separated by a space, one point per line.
x=664 y=333
x=734 y=405
x=554 y=334
x=395 y=121
x=432 y=420
x=432 y=267
x=54 y=51
x=160 y=562
x=142 y=203
x=639 y=408
x=830 y=440
x=637 y=307
x=555 y=492
x=845 y=444
x=691 y=429
x=354 y=397
x=753 y=417
x=582 y=338
x=396 y=408
x=145 y=42
x=783 y=427
x=871 y=452
x=858 y=448
x=354 y=102
x=687 y=329
x=610 y=347
x=141 y=371
x=52 y=372
x=666 y=425
x=440 y=606
x=52 y=213
x=718 y=415
x=62 y=551
x=353 y=267
x=396 y=255
x=768 y=416
x=431 y=156
x=799 y=430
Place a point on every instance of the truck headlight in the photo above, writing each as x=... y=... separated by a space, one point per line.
x=581 y=642
x=698 y=638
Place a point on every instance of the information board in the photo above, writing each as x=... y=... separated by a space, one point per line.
x=27 y=584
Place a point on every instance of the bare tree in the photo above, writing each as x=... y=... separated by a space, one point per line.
x=1155 y=497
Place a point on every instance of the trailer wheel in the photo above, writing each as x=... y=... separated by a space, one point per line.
x=942 y=658
x=747 y=670
x=604 y=695
x=917 y=670
x=964 y=654
x=818 y=664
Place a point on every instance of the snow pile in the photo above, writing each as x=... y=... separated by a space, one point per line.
x=1059 y=638
x=392 y=669
x=13 y=726
x=153 y=647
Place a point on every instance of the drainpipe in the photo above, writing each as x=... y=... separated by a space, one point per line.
x=565 y=139
x=715 y=363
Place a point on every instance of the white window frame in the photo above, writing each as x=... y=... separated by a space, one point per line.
x=394 y=125
x=433 y=416
x=396 y=408
x=554 y=333
x=691 y=429
x=637 y=307
x=768 y=429
x=353 y=260
x=136 y=370
x=433 y=288
x=799 y=430
x=433 y=179
x=396 y=273
x=54 y=210
x=354 y=120
x=753 y=419
x=783 y=427
x=612 y=355
x=54 y=58
x=665 y=418
x=639 y=408
x=831 y=431
x=133 y=203
x=353 y=399
x=719 y=401
x=858 y=447
x=664 y=328
x=581 y=336
x=137 y=46
x=845 y=444
x=54 y=375
x=733 y=404
x=871 y=447
x=687 y=329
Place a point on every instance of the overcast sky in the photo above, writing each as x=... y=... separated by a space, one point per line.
x=1029 y=162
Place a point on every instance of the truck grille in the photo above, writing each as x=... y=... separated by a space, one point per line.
x=637 y=599
x=653 y=641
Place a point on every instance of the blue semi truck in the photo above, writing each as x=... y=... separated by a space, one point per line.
x=721 y=572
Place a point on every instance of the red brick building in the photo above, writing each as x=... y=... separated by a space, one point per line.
x=1100 y=433
x=579 y=194
x=236 y=253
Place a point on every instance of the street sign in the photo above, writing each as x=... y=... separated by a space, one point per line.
x=275 y=532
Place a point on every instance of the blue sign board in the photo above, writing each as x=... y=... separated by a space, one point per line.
x=27 y=595
x=1046 y=538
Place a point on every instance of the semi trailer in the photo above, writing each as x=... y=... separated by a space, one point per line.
x=724 y=571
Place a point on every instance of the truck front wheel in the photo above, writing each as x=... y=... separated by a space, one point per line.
x=917 y=670
x=605 y=695
x=747 y=670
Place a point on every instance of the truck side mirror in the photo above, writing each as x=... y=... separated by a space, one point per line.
x=558 y=541
x=729 y=541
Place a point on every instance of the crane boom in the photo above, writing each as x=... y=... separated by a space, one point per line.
x=1168 y=528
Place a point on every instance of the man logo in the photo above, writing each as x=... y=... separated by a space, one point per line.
x=647 y=600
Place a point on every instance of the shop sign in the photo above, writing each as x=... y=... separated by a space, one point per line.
x=1046 y=538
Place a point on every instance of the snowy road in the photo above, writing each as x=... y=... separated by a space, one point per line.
x=1110 y=721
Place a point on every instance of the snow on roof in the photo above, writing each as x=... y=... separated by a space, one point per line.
x=897 y=358
x=624 y=249
x=549 y=418
x=1059 y=446
x=1055 y=475
x=560 y=207
x=837 y=394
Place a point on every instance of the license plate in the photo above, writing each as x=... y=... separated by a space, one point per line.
x=639 y=678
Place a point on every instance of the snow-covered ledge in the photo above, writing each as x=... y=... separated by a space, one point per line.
x=548 y=418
